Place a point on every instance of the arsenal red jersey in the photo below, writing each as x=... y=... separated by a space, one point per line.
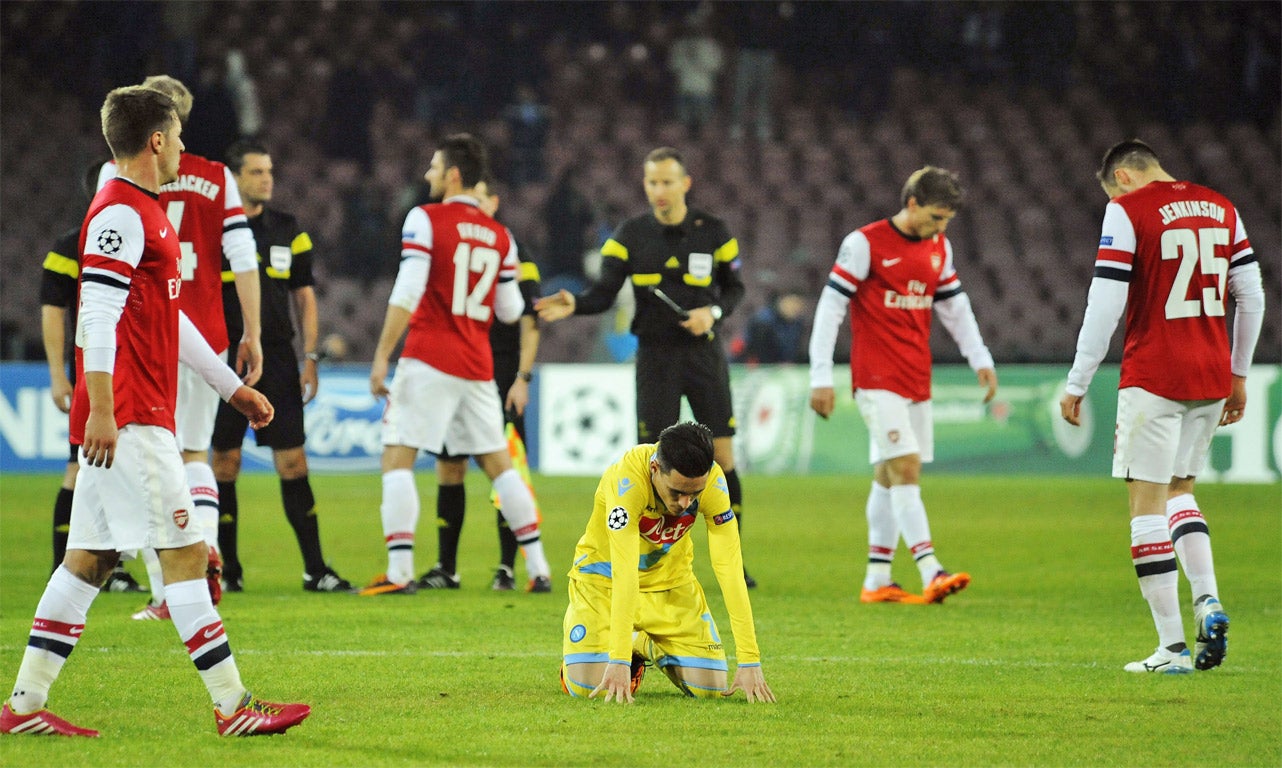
x=129 y=246
x=890 y=310
x=469 y=253
x=203 y=203
x=1172 y=242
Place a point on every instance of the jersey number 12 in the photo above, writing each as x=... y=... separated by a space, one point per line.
x=468 y=259
x=1195 y=250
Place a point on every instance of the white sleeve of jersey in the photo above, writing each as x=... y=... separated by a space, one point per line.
x=854 y=259
x=238 y=239
x=957 y=316
x=1105 y=304
x=416 y=261
x=106 y=173
x=196 y=353
x=113 y=247
x=1247 y=289
x=829 y=313
x=508 y=301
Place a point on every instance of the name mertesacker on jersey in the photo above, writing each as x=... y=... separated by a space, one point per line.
x=190 y=182
x=1181 y=208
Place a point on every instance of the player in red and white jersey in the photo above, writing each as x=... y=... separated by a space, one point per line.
x=458 y=273
x=892 y=273
x=131 y=491
x=1169 y=254
x=204 y=205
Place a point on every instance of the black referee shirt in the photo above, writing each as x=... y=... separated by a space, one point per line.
x=696 y=263
x=284 y=265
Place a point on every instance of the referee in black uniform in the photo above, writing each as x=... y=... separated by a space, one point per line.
x=688 y=257
x=285 y=273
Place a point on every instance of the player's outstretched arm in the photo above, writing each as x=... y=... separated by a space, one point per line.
x=752 y=681
x=616 y=682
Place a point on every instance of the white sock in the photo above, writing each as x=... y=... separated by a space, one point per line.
x=883 y=537
x=518 y=510
x=155 y=576
x=59 y=620
x=400 y=519
x=911 y=514
x=204 y=497
x=201 y=630
x=1192 y=539
x=1154 y=559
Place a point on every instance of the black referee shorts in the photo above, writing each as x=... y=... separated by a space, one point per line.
x=698 y=371
x=280 y=384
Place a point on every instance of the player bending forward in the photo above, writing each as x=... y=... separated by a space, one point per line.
x=634 y=598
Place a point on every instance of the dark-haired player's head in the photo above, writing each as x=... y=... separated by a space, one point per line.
x=237 y=151
x=132 y=116
x=666 y=184
x=931 y=197
x=934 y=186
x=1131 y=155
x=251 y=165
x=685 y=447
x=460 y=163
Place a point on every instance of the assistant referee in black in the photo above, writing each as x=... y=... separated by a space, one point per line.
x=690 y=256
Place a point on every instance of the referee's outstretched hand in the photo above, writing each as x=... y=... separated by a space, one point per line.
x=558 y=306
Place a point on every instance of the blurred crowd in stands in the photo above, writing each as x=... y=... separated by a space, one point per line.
x=799 y=121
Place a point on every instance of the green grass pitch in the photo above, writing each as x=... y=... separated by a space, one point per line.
x=1023 y=668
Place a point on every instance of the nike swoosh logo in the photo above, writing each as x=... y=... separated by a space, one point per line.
x=164 y=232
x=891 y=262
x=213 y=632
x=77 y=630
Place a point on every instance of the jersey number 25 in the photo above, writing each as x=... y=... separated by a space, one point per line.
x=1196 y=251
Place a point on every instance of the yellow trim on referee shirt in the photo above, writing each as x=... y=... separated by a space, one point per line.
x=301 y=244
x=56 y=262
x=529 y=272
x=727 y=252
x=614 y=248
x=651 y=278
x=701 y=282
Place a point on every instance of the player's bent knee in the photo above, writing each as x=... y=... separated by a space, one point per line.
x=575 y=679
x=695 y=682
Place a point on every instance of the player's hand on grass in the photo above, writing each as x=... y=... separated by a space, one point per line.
x=988 y=378
x=752 y=681
x=822 y=401
x=616 y=683
x=253 y=405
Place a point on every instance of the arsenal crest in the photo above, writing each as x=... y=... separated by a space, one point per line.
x=180 y=518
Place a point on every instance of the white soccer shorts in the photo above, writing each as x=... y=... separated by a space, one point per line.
x=431 y=410
x=141 y=501
x=1158 y=439
x=896 y=425
x=197 y=409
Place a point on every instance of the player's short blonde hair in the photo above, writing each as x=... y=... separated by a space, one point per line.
x=174 y=89
x=934 y=186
